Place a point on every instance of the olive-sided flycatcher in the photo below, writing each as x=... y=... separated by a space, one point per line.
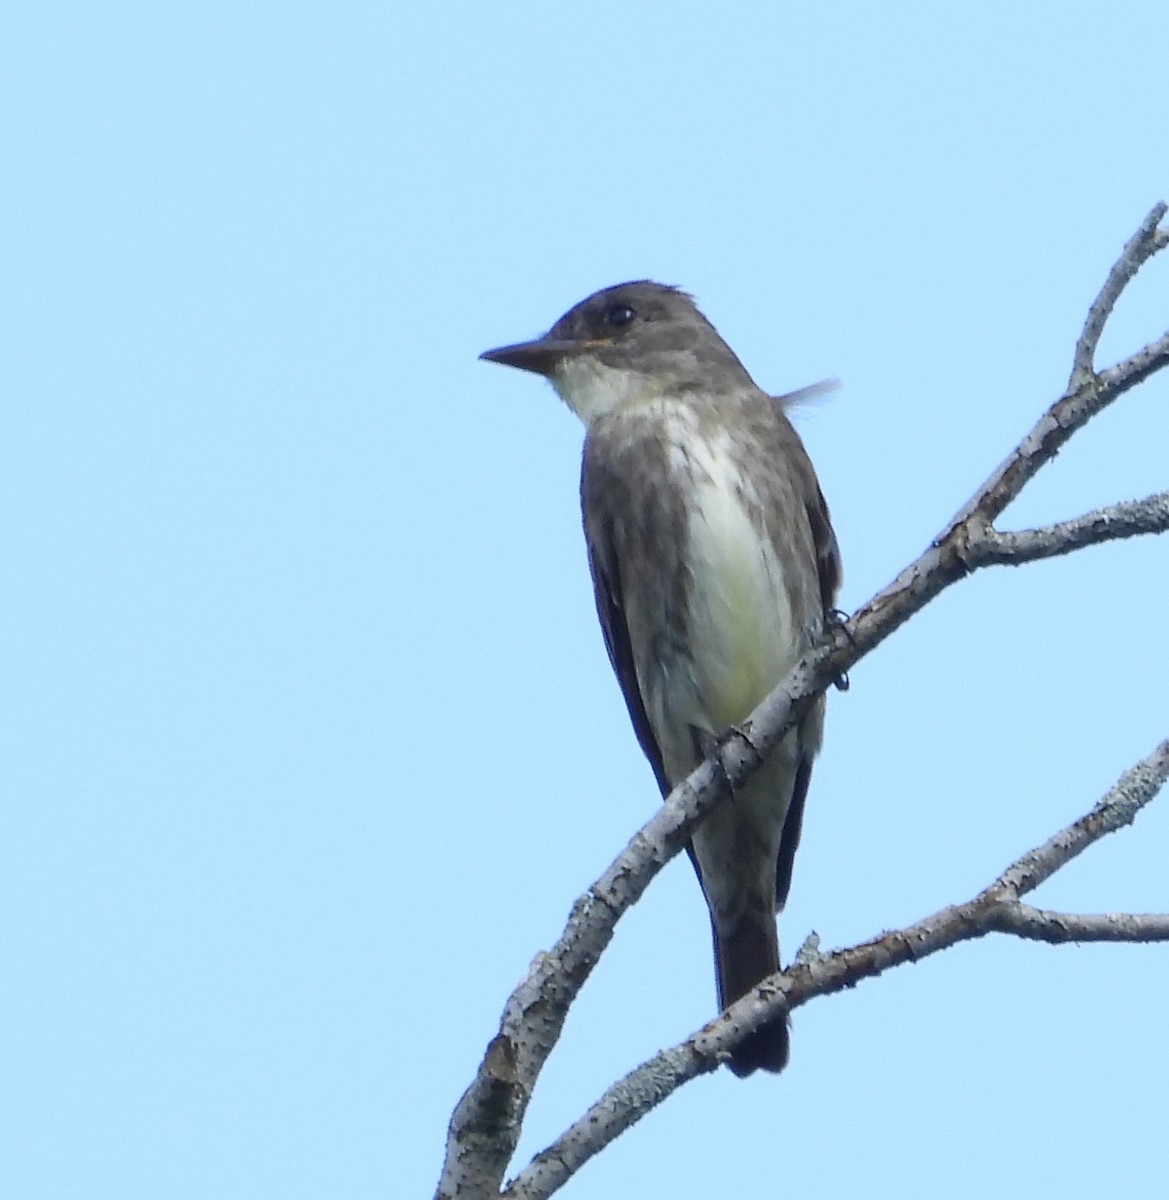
x=715 y=567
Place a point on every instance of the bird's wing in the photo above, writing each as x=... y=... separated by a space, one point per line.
x=829 y=571
x=603 y=497
x=607 y=593
x=828 y=562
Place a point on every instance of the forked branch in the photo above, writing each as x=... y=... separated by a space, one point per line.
x=996 y=909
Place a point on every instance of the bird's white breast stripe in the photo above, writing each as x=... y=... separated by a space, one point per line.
x=740 y=620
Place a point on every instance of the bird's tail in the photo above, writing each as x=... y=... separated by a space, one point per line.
x=746 y=951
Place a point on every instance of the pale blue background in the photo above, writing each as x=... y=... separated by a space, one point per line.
x=309 y=740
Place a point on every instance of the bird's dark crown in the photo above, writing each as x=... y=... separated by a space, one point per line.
x=644 y=326
x=618 y=311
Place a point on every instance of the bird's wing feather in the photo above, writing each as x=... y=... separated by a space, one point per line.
x=791 y=447
x=610 y=610
x=828 y=562
x=829 y=572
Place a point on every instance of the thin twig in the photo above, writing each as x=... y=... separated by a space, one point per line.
x=1129 y=518
x=1143 y=244
x=1042 y=925
x=1069 y=414
x=1118 y=808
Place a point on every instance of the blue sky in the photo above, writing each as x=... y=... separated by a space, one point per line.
x=309 y=737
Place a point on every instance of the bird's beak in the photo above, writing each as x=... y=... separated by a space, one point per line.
x=542 y=356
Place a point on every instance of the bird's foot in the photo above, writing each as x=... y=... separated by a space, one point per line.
x=837 y=622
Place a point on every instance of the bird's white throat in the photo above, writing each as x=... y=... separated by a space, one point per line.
x=592 y=389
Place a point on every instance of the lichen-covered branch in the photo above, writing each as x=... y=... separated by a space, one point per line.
x=1040 y=925
x=1128 y=518
x=1143 y=244
x=996 y=909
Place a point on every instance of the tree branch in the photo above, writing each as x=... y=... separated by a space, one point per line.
x=486 y=1124
x=1129 y=518
x=1143 y=244
x=1041 y=925
x=996 y=909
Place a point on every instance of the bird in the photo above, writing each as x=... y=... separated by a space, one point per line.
x=714 y=567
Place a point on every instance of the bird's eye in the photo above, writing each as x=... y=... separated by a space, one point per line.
x=620 y=314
